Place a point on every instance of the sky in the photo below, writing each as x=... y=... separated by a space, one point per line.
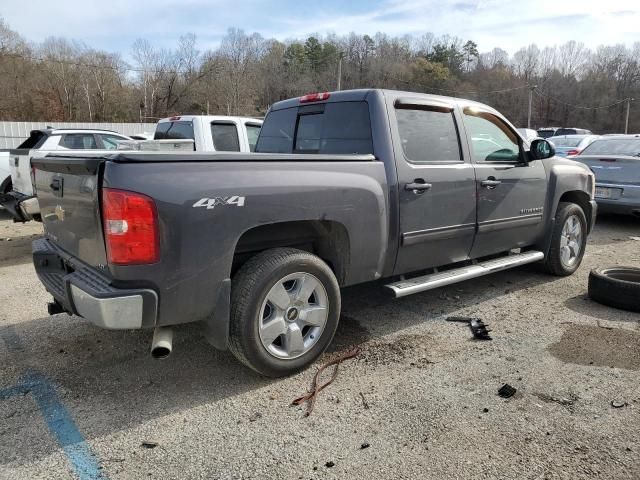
x=509 y=24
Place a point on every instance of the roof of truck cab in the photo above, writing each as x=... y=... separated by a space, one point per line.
x=362 y=94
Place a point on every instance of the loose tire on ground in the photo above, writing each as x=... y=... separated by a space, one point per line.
x=556 y=262
x=617 y=287
x=256 y=290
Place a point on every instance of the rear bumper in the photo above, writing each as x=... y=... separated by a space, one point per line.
x=84 y=291
x=21 y=207
x=628 y=203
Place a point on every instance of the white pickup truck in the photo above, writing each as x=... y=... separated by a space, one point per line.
x=211 y=133
x=202 y=133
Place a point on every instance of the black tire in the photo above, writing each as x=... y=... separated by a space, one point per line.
x=6 y=186
x=553 y=263
x=617 y=287
x=249 y=288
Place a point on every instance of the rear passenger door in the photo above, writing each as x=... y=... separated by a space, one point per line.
x=436 y=186
x=511 y=191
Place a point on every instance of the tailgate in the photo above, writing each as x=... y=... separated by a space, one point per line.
x=67 y=188
x=613 y=169
x=20 y=171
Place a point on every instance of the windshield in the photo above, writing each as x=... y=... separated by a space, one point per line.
x=617 y=146
x=566 y=141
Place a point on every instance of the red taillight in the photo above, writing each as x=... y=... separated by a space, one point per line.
x=130 y=227
x=573 y=152
x=174 y=118
x=315 y=97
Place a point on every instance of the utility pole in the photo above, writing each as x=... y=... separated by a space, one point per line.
x=531 y=89
x=626 y=120
x=341 y=56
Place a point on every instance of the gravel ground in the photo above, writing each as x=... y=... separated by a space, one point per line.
x=420 y=401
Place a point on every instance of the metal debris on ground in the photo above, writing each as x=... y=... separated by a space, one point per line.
x=316 y=387
x=477 y=326
x=364 y=445
x=618 y=404
x=507 y=391
x=149 y=444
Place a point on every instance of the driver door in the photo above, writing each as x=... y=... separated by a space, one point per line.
x=511 y=191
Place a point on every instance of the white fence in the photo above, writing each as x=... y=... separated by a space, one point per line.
x=13 y=134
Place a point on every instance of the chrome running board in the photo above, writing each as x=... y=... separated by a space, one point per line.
x=440 y=279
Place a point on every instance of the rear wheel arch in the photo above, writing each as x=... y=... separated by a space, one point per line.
x=327 y=239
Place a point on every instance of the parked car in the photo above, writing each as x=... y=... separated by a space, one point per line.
x=211 y=133
x=528 y=134
x=571 y=131
x=570 y=145
x=347 y=187
x=615 y=160
x=20 y=201
x=547 y=132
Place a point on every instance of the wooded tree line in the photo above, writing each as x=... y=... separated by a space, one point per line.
x=65 y=80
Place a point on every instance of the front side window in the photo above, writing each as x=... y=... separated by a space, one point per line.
x=225 y=137
x=428 y=135
x=491 y=139
x=79 y=141
x=253 y=131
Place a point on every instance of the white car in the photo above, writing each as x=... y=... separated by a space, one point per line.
x=20 y=201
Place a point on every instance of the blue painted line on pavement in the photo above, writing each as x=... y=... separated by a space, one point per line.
x=60 y=423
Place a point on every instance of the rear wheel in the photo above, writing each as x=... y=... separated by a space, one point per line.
x=568 y=240
x=285 y=305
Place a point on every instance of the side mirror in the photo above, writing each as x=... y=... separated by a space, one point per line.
x=541 y=149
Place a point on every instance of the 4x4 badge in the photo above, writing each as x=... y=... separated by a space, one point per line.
x=210 y=203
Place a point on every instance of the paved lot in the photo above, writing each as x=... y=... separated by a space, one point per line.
x=77 y=401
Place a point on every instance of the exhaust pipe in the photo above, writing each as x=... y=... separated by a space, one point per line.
x=162 y=342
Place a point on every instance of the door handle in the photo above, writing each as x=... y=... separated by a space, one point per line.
x=417 y=186
x=490 y=183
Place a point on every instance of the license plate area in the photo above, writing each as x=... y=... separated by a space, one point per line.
x=49 y=263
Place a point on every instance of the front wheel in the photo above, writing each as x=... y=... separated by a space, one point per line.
x=285 y=306
x=568 y=240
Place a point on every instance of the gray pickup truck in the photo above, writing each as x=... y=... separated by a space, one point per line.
x=346 y=187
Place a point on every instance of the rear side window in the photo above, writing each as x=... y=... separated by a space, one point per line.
x=79 y=141
x=566 y=142
x=225 y=137
x=174 y=131
x=428 y=135
x=332 y=128
x=253 y=131
x=630 y=147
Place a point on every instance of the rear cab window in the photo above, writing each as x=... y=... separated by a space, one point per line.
x=328 y=128
x=176 y=130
